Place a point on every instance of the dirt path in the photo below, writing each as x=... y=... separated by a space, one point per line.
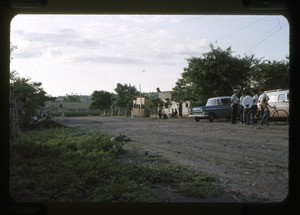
x=250 y=162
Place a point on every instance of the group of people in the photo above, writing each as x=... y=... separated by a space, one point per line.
x=163 y=115
x=43 y=119
x=248 y=103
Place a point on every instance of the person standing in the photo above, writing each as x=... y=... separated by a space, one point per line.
x=241 y=107
x=160 y=113
x=247 y=104
x=264 y=105
x=234 y=105
x=262 y=96
x=255 y=101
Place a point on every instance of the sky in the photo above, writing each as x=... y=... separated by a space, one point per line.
x=78 y=54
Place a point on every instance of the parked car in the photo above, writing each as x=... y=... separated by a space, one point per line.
x=215 y=108
x=279 y=98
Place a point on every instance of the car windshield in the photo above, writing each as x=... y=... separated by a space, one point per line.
x=211 y=102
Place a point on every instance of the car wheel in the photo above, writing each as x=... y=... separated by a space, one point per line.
x=197 y=119
x=211 y=117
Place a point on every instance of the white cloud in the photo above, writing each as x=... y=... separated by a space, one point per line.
x=58 y=45
x=191 y=47
x=31 y=53
x=56 y=52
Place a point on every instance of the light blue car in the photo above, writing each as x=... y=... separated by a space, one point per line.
x=215 y=108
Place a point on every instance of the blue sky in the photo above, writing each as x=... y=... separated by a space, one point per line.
x=83 y=53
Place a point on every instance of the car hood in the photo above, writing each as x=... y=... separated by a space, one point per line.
x=211 y=107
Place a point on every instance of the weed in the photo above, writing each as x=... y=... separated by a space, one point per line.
x=58 y=165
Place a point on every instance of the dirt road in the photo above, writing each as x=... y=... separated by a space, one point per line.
x=250 y=162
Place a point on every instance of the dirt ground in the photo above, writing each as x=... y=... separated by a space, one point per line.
x=249 y=162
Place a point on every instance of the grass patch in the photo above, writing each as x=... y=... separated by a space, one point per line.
x=183 y=181
x=68 y=165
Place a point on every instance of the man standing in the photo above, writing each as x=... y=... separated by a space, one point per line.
x=247 y=104
x=240 y=112
x=262 y=96
x=255 y=102
x=234 y=105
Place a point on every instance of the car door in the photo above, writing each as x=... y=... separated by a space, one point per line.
x=220 y=108
x=281 y=102
x=226 y=108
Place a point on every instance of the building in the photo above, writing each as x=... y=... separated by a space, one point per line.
x=60 y=108
x=138 y=107
x=182 y=108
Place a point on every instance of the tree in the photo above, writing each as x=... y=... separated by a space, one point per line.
x=125 y=94
x=71 y=98
x=153 y=102
x=183 y=91
x=101 y=100
x=216 y=73
x=26 y=98
x=269 y=75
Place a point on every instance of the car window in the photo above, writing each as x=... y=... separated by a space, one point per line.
x=210 y=102
x=282 y=97
x=225 y=101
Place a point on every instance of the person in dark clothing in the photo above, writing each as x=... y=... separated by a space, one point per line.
x=175 y=113
x=234 y=105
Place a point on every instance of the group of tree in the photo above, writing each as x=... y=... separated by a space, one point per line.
x=218 y=72
x=123 y=98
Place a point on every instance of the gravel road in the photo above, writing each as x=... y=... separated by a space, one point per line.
x=250 y=162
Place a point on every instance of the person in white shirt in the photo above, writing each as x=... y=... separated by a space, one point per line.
x=234 y=105
x=247 y=104
x=241 y=107
x=262 y=96
x=255 y=100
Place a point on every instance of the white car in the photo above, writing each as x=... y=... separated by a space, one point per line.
x=279 y=98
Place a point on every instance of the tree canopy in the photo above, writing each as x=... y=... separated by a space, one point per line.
x=26 y=98
x=101 y=100
x=125 y=94
x=270 y=75
x=219 y=71
x=71 y=98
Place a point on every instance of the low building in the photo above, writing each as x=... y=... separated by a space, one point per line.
x=61 y=108
x=138 y=108
x=169 y=105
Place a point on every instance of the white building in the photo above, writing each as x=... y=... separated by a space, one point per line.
x=169 y=104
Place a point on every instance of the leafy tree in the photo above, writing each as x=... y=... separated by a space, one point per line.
x=216 y=73
x=152 y=102
x=26 y=98
x=101 y=100
x=183 y=91
x=270 y=75
x=125 y=94
x=71 y=98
